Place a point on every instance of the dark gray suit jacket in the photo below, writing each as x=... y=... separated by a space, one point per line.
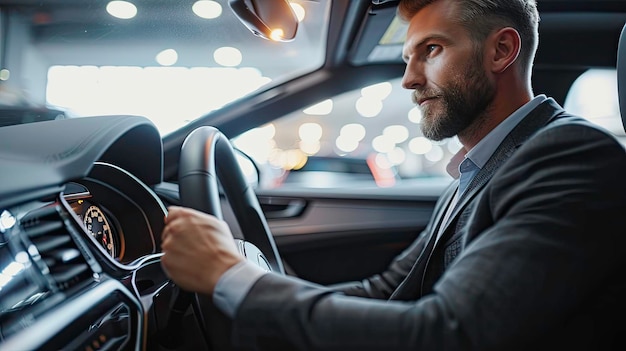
x=531 y=259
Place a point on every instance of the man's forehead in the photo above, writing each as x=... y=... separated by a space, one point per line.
x=437 y=20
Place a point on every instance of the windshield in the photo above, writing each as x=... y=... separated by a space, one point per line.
x=168 y=60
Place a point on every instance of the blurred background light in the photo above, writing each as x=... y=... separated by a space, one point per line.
x=353 y=131
x=397 y=133
x=367 y=107
x=310 y=147
x=228 y=56
x=207 y=9
x=167 y=57
x=454 y=145
x=277 y=34
x=435 y=154
x=415 y=115
x=420 y=145
x=378 y=91
x=383 y=144
x=121 y=9
x=382 y=161
x=298 y=10
x=310 y=132
x=346 y=144
x=320 y=109
x=396 y=156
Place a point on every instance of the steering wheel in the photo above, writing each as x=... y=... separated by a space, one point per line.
x=207 y=155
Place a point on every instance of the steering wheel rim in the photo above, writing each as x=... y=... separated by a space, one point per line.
x=198 y=175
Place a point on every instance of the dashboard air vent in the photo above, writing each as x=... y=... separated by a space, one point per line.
x=59 y=257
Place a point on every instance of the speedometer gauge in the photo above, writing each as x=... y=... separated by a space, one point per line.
x=98 y=226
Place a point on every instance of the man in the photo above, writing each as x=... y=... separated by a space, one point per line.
x=523 y=252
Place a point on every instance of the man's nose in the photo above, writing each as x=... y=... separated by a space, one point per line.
x=413 y=76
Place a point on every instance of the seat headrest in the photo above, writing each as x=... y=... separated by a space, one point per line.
x=621 y=75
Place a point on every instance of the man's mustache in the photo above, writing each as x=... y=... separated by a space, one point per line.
x=419 y=97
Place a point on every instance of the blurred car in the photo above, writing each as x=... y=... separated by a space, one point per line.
x=149 y=84
x=322 y=172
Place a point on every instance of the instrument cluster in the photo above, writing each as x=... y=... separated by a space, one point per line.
x=101 y=225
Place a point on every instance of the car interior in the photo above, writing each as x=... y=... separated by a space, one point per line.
x=83 y=192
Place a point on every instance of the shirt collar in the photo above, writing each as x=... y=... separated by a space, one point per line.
x=481 y=153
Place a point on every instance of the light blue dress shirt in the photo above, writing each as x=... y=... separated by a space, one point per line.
x=235 y=283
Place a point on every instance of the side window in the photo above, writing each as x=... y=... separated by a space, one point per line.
x=371 y=137
x=594 y=97
x=368 y=137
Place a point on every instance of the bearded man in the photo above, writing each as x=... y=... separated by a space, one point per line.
x=522 y=251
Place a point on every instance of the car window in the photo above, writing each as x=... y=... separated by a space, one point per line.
x=366 y=137
x=594 y=96
x=371 y=137
x=170 y=61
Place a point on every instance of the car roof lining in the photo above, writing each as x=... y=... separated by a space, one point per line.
x=596 y=33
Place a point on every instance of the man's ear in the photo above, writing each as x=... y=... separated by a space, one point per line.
x=507 y=45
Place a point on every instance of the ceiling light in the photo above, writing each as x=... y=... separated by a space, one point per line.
x=396 y=156
x=323 y=108
x=346 y=144
x=298 y=10
x=420 y=145
x=353 y=131
x=277 y=34
x=122 y=9
x=310 y=147
x=295 y=159
x=167 y=57
x=383 y=144
x=435 y=154
x=310 y=132
x=207 y=9
x=227 y=56
x=378 y=91
x=397 y=133
x=415 y=115
x=367 y=107
x=5 y=74
x=382 y=162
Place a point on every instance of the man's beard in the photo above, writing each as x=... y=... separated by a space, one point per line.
x=465 y=102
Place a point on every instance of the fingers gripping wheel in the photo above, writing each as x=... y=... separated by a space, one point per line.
x=207 y=155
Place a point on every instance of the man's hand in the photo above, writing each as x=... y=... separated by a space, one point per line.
x=197 y=249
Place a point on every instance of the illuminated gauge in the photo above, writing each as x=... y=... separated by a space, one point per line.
x=98 y=226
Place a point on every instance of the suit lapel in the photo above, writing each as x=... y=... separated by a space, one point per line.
x=538 y=118
x=413 y=285
x=409 y=286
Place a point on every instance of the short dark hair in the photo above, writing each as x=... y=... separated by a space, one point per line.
x=481 y=17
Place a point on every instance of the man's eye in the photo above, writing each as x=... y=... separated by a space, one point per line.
x=430 y=48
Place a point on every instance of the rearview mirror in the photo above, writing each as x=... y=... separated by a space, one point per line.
x=268 y=19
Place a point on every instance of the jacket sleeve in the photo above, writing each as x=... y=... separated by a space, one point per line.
x=546 y=239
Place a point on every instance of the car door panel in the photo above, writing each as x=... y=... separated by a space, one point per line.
x=328 y=236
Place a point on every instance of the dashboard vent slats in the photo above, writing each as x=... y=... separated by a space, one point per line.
x=49 y=242
x=60 y=258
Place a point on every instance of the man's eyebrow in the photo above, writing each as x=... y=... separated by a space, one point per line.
x=432 y=37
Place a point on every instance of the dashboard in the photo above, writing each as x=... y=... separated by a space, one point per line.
x=80 y=232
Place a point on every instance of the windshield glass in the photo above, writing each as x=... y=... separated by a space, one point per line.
x=168 y=60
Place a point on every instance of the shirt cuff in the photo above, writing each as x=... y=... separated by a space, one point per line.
x=233 y=286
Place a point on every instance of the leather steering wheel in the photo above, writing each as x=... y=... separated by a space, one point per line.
x=207 y=155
